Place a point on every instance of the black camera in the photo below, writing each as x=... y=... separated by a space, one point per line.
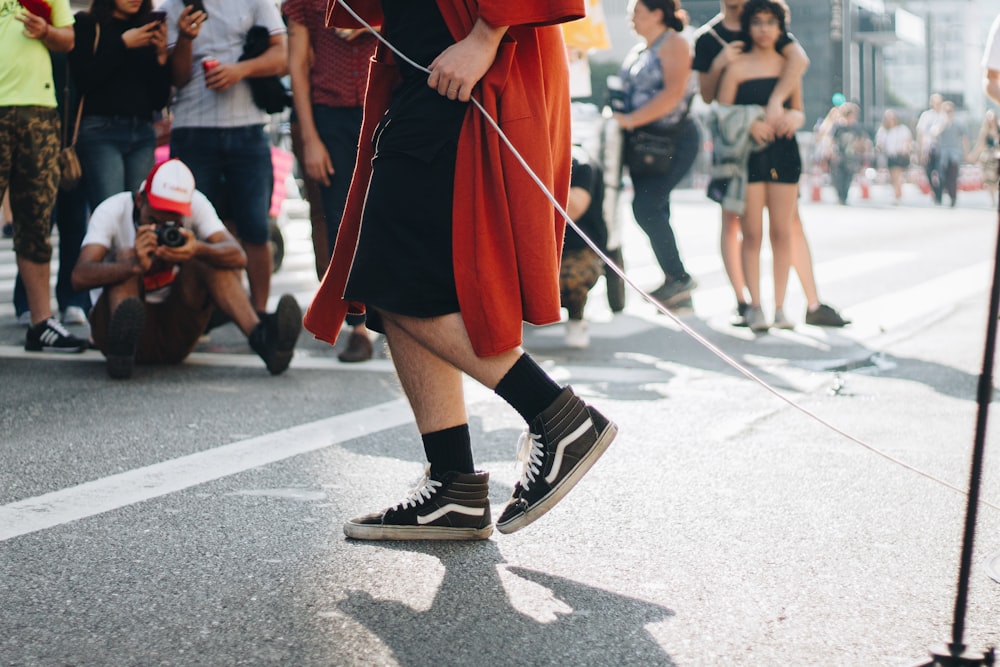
x=170 y=236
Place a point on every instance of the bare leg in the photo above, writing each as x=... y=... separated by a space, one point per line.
x=731 y=246
x=225 y=286
x=259 y=266
x=36 y=283
x=781 y=203
x=802 y=260
x=445 y=337
x=752 y=225
x=432 y=385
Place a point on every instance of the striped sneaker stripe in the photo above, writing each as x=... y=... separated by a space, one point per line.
x=450 y=507
x=561 y=447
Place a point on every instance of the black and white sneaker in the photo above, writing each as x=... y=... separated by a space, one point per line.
x=51 y=336
x=454 y=507
x=124 y=332
x=562 y=444
x=275 y=336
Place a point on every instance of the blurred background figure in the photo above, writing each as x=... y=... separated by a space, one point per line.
x=119 y=68
x=328 y=107
x=581 y=267
x=852 y=150
x=952 y=146
x=658 y=86
x=894 y=140
x=986 y=151
x=927 y=143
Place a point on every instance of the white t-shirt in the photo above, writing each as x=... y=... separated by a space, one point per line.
x=112 y=226
x=894 y=140
x=991 y=57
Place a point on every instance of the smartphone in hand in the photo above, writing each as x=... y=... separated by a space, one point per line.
x=198 y=5
x=156 y=17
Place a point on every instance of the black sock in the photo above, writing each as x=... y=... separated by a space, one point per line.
x=449 y=450
x=528 y=388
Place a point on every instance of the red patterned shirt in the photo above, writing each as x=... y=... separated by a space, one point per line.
x=339 y=72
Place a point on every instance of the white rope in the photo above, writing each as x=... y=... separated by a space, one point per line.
x=614 y=267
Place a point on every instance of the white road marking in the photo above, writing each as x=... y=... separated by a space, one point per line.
x=109 y=493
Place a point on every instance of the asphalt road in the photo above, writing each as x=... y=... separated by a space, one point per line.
x=192 y=515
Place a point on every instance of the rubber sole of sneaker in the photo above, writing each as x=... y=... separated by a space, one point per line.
x=364 y=531
x=559 y=492
x=123 y=337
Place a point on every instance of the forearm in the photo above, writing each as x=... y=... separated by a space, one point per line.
x=796 y=64
x=993 y=85
x=180 y=60
x=273 y=62
x=88 y=275
x=222 y=254
x=59 y=39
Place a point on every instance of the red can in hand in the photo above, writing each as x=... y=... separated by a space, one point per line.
x=208 y=64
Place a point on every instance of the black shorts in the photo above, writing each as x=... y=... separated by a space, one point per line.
x=403 y=263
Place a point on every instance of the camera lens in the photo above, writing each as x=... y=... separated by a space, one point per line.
x=169 y=236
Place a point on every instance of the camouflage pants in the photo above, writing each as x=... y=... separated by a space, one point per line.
x=578 y=273
x=29 y=166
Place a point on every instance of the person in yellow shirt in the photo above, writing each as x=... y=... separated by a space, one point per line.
x=29 y=151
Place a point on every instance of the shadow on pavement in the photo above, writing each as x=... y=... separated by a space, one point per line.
x=487 y=613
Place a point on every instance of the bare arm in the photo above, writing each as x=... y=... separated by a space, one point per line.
x=316 y=158
x=273 y=62
x=459 y=68
x=675 y=61
x=92 y=271
x=220 y=250
x=992 y=85
x=708 y=81
x=188 y=25
x=54 y=39
x=796 y=64
x=578 y=203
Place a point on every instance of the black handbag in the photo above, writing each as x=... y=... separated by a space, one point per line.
x=269 y=94
x=649 y=150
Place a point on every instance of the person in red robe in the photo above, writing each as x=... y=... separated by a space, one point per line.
x=449 y=246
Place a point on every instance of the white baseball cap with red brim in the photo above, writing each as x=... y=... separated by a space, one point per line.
x=170 y=187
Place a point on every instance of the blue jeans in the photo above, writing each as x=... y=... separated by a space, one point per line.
x=116 y=154
x=232 y=167
x=339 y=129
x=651 y=204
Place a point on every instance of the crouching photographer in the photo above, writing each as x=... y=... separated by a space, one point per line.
x=162 y=261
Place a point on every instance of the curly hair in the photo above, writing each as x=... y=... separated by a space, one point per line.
x=776 y=8
x=670 y=9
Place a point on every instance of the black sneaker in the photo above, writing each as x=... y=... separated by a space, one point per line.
x=562 y=444
x=825 y=316
x=124 y=332
x=673 y=291
x=455 y=507
x=275 y=336
x=51 y=336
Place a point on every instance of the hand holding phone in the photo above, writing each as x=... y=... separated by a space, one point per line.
x=156 y=17
x=196 y=6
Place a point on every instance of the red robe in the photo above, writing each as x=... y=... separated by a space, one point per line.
x=507 y=235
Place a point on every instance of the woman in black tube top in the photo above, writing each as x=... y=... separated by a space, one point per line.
x=773 y=173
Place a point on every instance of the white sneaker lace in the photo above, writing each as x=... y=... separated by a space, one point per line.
x=530 y=452
x=57 y=326
x=421 y=493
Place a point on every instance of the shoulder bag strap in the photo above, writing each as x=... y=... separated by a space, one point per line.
x=79 y=109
